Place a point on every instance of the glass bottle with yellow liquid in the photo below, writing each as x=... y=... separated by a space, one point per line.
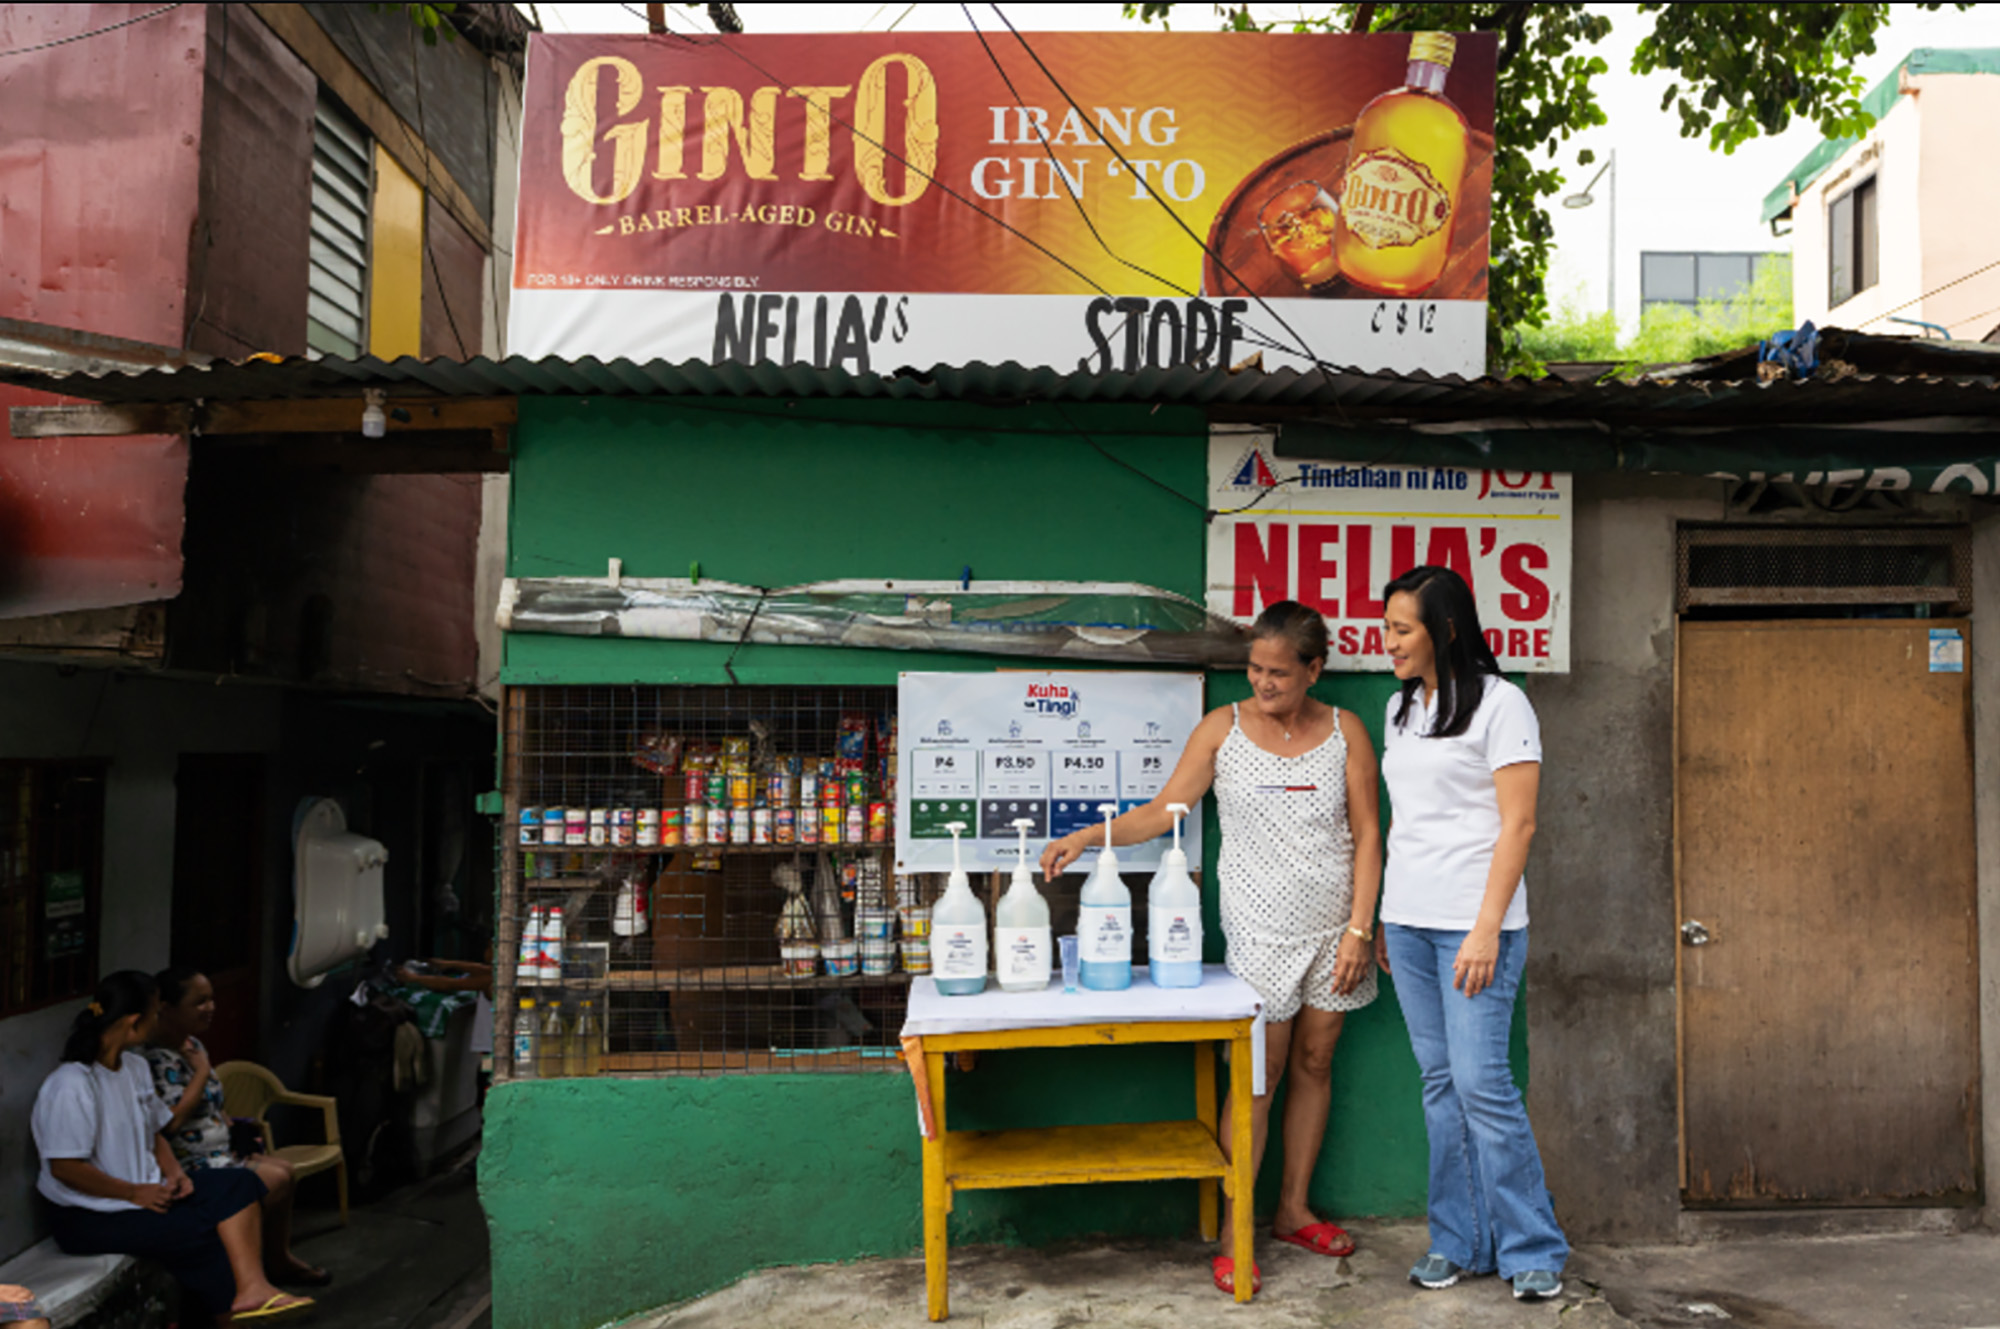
x=1405 y=176
x=583 y=1053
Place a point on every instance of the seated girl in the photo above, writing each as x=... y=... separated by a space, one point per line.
x=112 y=1182
x=199 y=1130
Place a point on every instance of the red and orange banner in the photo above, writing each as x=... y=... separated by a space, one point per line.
x=1103 y=201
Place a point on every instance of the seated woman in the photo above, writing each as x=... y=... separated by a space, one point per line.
x=199 y=1130
x=113 y=1185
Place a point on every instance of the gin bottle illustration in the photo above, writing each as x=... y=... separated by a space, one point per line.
x=1405 y=174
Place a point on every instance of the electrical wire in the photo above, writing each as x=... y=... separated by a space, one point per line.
x=1304 y=348
x=1113 y=457
x=1933 y=291
x=94 y=32
x=1252 y=335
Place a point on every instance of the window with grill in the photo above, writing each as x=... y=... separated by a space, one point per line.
x=721 y=859
x=1918 y=568
x=51 y=856
x=1851 y=248
x=342 y=184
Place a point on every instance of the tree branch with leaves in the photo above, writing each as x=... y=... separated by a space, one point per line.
x=1740 y=70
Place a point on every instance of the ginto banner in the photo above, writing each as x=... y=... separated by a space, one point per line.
x=1103 y=202
x=1330 y=534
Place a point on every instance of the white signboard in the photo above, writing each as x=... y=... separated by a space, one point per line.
x=988 y=749
x=1330 y=534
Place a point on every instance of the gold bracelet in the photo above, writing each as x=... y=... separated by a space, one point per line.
x=1366 y=934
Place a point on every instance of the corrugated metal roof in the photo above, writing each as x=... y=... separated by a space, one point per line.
x=1336 y=395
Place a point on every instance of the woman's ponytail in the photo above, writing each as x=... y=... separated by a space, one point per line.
x=127 y=992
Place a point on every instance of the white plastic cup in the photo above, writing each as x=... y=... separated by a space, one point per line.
x=1071 y=961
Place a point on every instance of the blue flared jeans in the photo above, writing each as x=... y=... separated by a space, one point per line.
x=1489 y=1203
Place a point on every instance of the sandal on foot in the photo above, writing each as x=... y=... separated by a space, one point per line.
x=270 y=1310
x=1320 y=1239
x=1223 y=1270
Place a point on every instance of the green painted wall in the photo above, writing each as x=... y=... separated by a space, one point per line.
x=608 y=1197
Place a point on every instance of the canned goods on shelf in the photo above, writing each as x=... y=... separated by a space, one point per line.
x=829 y=825
x=739 y=826
x=600 y=826
x=694 y=787
x=760 y=826
x=857 y=787
x=784 y=826
x=623 y=827
x=856 y=825
x=808 y=826
x=878 y=823
x=778 y=791
x=718 y=790
x=673 y=826
x=576 y=826
x=831 y=793
x=531 y=825
x=552 y=825
x=808 y=789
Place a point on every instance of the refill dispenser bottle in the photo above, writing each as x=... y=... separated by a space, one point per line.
x=958 y=931
x=1173 y=918
x=1021 y=946
x=1104 y=920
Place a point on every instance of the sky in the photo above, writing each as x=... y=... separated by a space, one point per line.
x=1672 y=193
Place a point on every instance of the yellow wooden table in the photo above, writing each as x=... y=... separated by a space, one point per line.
x=1074 y=1155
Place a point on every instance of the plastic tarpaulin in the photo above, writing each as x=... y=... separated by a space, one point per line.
x=1117 y=622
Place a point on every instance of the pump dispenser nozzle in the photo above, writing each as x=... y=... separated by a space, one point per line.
x=1109 y=811
x=1022 y=825
x=957 y=828
x=1179 y=810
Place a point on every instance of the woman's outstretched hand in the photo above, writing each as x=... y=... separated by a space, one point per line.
x=1058 y=856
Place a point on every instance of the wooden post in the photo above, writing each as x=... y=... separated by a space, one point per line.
x=1205 y=1112
x=937 y=1196
x=1245 y=1178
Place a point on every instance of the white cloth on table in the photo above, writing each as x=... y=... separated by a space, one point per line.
x=1221 y=996
x=106 y=1118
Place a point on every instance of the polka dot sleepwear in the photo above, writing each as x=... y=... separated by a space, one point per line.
x=1287 y=870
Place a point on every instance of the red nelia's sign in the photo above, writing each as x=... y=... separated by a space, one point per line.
x=1331 y=534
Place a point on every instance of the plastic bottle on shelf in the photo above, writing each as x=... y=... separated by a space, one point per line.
x=1173 y=917
x=582 y=1053
x=551 y=1041
x=528 y=969
x=552 y=945
x=1104 y=920
x=524 y=1041
x=958 y=931
x=1021 y=927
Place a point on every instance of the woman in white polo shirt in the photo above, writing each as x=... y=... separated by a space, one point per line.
x=1462 y=759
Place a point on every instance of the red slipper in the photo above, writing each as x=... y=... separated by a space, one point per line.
x=1320 y=1239
x=1223 y=1270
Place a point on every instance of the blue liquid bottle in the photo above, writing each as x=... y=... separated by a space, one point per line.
x=1104 y=920
x=1173 y=918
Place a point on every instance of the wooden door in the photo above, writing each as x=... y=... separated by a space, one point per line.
x=1828 y=950
x=219 y=866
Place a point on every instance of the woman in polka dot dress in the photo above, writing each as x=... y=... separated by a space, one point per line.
x=1300 y=872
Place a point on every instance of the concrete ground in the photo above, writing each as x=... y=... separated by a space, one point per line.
x=415 y=1259
x=1932 y=1281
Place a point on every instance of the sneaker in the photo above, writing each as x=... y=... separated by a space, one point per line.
x=1537 y=1285
x=1435 y=1272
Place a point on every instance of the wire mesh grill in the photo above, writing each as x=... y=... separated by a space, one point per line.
x=1914 y=565
x=720 y=859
